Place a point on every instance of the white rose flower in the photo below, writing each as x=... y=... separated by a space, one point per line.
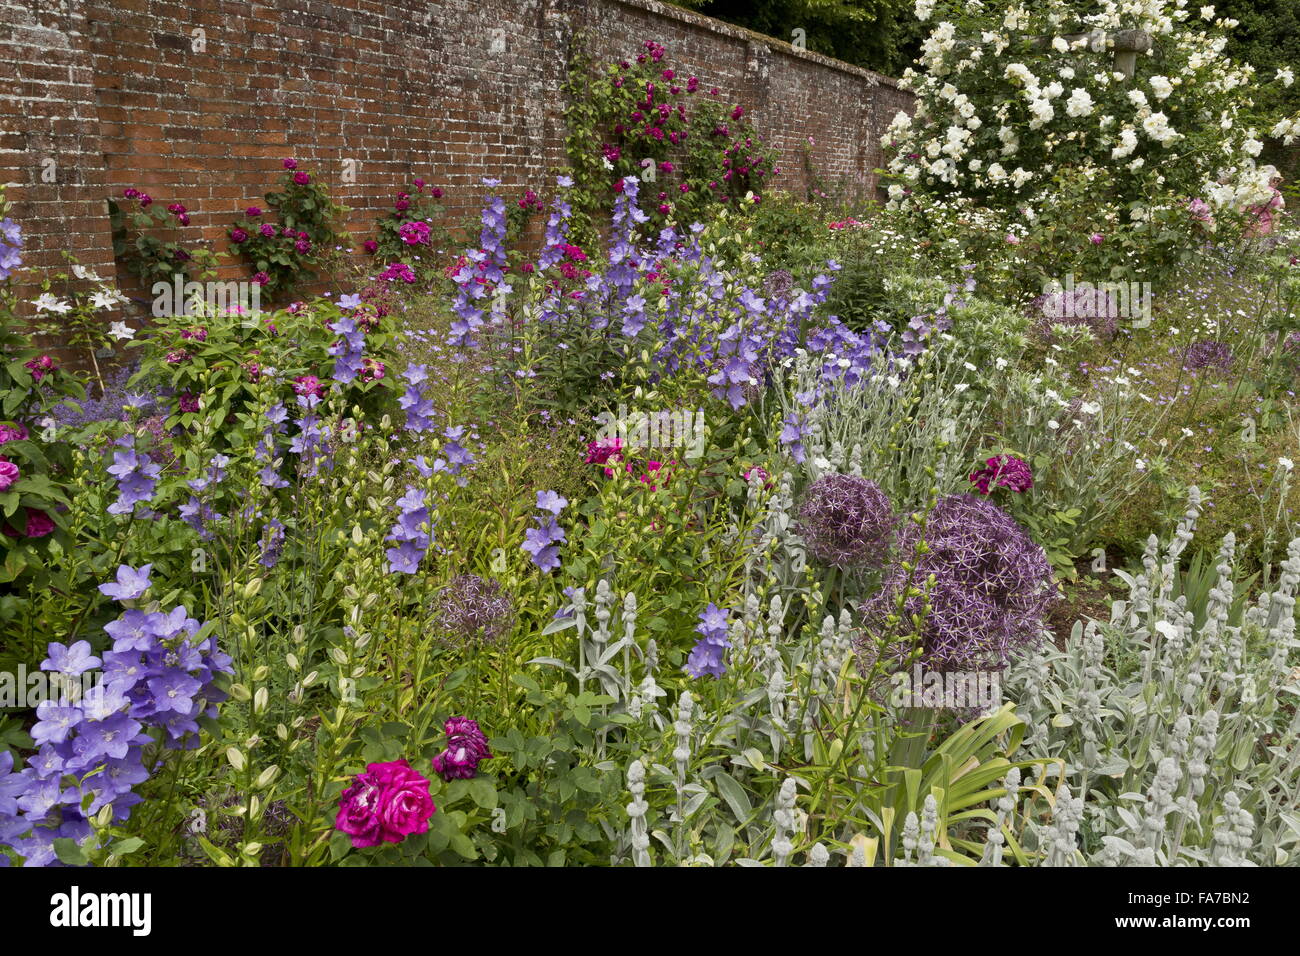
x=1043 y=113
x=1161 y=86
x=1157 y=127
x=1127 y=143
x=1286 y=76
x=1079 y=103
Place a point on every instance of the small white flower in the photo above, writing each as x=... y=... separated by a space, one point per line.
x=49 y=302
x=103 y=300
x=1286 y=463
x=1053 y=424
x=120 y=330
x=1286 y=76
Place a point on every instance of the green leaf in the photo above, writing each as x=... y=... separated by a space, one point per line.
x=483 y=793
x=734 y=794
x=127 y=846
x=69 y=851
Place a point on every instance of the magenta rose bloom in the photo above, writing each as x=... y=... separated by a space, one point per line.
x=386 y=804
x=302 y=179
x=10 y=433
x=189 y=403
x=370 y=246
x=8 y=474
x=1008 y=471
x=309 y=385
x=291 y=164
x=238 y=235
x=40 y=367
x=466 y=747
x=261 y=278
x=252 y=212
x=38 y=525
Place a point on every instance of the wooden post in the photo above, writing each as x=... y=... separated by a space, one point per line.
x=1126 y=44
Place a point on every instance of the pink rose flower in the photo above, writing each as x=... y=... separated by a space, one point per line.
x=386 y=804
x=8 y=474
x=38 y=525
x=10 y=433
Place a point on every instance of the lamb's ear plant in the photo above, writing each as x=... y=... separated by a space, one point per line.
x=1164 y=716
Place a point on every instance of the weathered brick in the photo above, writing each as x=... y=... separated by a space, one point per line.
x=116 y=94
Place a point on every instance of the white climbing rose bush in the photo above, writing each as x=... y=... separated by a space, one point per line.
x=1007 y=98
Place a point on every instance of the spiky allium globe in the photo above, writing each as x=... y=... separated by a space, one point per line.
x=1208 y=354
x=474 y=610
x=993 y=585
x=846 y=521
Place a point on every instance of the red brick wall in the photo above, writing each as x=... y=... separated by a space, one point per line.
x=125 y=93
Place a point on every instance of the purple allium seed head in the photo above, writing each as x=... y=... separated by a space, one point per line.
x=474 y=610
x=992 y=586
x=1208 y=354
x=846 y=521
x=778 y=284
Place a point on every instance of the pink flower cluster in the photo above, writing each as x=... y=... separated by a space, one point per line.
x=391 y=801
x=466 y=748
x=40 y=367
x=1005 y=471
x=415 y=233
x=386 y=804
